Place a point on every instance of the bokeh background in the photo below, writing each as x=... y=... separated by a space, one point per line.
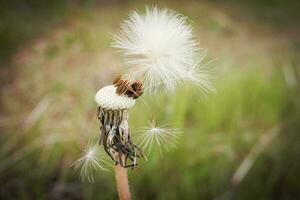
x=241 y=143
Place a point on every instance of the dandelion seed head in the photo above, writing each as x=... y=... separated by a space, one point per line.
x=159 y=47
x=91 y=161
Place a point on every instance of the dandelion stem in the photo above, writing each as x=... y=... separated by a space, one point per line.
x=122 y=182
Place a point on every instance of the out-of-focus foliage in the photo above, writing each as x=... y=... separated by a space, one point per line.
x=56 y=54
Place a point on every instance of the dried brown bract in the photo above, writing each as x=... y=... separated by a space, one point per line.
x=133 y=90
x=115 y=137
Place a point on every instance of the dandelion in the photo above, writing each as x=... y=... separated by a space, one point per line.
x=160 y=49
x=162 y=53
x=92 y=160
x=160 y=135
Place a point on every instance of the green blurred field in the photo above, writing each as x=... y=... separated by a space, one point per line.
x=56 y=55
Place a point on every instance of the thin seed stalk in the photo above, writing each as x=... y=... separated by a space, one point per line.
x=122 y=182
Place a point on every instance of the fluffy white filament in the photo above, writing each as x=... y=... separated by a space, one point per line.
x=160 y=50
x=91 y=161
x=159 y=135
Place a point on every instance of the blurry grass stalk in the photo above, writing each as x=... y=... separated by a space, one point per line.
x=42 y=144
x=37 y=112
x=290 y=76
x=252 y=156
x=29 y=122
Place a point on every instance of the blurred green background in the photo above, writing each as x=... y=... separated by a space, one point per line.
x=241 y=143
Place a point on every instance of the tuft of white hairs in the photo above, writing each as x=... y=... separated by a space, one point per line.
x=91 y=160
x=159 y=135
x=160 y=50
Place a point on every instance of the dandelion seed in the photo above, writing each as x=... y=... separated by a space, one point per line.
x=92 y=160
x=160 y=49
x=158 y=135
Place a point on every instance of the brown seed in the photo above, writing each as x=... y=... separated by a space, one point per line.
x=133 y=90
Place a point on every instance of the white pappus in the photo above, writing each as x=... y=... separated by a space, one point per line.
x=92 y=159
x=159 y=135
x=160 y=50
